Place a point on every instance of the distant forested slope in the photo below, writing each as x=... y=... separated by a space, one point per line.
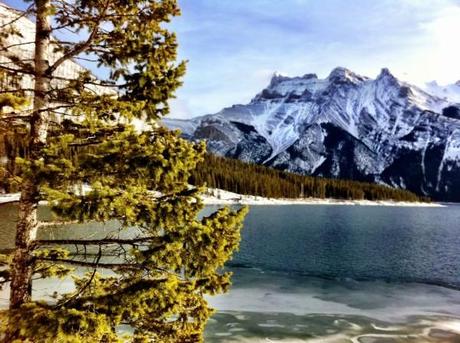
x=245 y=178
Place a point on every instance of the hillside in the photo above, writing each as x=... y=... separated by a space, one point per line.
x=247 y=178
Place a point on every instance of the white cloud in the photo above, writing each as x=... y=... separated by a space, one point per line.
x=180 y=109
x=234 y=47
x=441 y=56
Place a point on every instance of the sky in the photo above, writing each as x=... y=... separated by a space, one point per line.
x=233 y=47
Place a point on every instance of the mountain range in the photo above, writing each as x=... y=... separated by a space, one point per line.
x=345 y=126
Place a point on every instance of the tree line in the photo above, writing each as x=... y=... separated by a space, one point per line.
x=252 y=179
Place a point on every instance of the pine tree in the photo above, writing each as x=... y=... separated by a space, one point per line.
x=245 y=178
x=76 y=135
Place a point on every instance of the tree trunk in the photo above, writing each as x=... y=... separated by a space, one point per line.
x=21 y=279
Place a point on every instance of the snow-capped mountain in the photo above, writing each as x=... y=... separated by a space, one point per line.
x=448 y=92
x=346 y=126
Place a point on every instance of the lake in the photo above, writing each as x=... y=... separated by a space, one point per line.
x=333 y=274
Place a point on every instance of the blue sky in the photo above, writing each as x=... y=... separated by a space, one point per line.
x=234 y=46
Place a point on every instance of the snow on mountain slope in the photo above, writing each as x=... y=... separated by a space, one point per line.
x=187 y=127
x=448 y=92
x=346 y=125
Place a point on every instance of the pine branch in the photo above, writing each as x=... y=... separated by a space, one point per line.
x=87 y=284
x=18 y=90
x=114 y=266
x=80 y=47
x=101 y=83
x=60 y=107
x=86 y=59
x=103 y=241
x=16 y=71
x=6 y=47
x=88 y=301
x=22 y=15
x=27 y=64
x=90 y=20
x=86 y=143
x=15 y=117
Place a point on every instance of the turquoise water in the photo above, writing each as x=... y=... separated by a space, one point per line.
x=417 y=244
x=330 y=274
x=344 y=274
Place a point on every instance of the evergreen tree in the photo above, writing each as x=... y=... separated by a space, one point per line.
x=245 y=178
x=153 y=281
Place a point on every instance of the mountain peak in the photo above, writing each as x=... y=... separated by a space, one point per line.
x=278 y=78
x=340 y=72
x=343 y=74
x=387 y=79
x=385 y=73
x=311 y=76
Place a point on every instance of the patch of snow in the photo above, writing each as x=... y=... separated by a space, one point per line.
x=318 y=164
x=216 y=196
x=187 y=127
x=9 y=197
x=452 y=152
x=450 y=93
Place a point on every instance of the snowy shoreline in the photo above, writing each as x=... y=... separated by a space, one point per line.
x=9 y=197
x=221 y=197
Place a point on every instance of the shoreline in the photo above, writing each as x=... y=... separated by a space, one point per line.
x=221 y=197
x=9 y=197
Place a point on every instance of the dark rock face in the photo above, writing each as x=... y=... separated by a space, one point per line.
x=344 y=126
x=452 y=112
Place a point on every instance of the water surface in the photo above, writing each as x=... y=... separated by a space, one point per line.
x=344 y=274
x=358 y=242
x=327 y=273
